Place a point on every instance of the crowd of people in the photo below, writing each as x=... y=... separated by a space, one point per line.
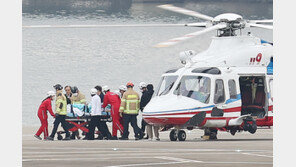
x=122 y=105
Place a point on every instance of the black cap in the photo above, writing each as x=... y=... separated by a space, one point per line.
x=150 y=87
x=74 y=89
x=58 y=87
x=99 y=88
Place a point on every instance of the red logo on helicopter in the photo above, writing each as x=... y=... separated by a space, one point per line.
x=256 y=59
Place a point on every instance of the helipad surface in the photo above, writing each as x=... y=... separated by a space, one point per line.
x=241 y=150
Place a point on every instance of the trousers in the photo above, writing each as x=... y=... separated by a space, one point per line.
x=144 y=123
x=60 y=119
x=155 y=129
x=43 y=128
x=95 y=121
x=103 y=128
x=116 y=121
x=130 y=118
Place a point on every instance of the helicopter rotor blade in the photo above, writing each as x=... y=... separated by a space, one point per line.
x=200 y=24
x=261 y=21
x=103 y=26
x=270 y=27
x=174 y=41
x=185 y=11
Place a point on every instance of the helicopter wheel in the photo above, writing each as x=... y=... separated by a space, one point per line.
x=233 y=131
x=173 y=135
x=250 y=125
x=60 y=137
x=253 y=127
x=181 y=135
x=213 y=134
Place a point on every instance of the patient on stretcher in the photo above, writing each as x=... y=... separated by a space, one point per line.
x=80 y=110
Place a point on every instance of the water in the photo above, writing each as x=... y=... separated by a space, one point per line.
x=86 y=57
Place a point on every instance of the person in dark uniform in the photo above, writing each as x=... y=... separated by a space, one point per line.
x=145 y=98
x=150 y=92
x=143 y=103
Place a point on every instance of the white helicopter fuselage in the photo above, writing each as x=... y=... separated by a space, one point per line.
x=212 y=82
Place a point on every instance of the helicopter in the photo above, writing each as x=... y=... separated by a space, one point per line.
x=227 y=87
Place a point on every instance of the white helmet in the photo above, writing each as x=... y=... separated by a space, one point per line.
x=142 y=85
x=105 y=88
x=50 y=93
x=93 y=91
x=117 y=92
x=122 y=87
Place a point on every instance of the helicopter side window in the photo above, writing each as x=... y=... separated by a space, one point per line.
x=195 y=87
x=232 y=89
x=166 y=84
x=219 y=96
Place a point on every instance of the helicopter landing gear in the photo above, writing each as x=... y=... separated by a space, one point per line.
x=181 y=135
x=233 y=132
x=177 y=135
x=173 y=135
x=250 y=125
x=210 y=134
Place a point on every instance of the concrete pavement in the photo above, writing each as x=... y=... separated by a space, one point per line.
x=243 y=149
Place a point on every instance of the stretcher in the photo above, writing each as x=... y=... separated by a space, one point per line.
x=78 y=118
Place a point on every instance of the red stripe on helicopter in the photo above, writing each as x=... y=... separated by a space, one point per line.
x=235 y=109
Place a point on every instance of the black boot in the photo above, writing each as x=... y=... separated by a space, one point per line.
x=72 y=136
x=141 y=135
x=114 y=138
x=100 y=137
x=123 y=138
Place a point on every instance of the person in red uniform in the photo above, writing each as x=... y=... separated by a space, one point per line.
x=42 y=114
x=114 y=100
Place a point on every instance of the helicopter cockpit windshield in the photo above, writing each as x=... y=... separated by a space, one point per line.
x=195 y=87
x=166 y=84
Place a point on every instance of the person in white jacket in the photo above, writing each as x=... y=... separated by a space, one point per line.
x=96 y=113
x=97 y=116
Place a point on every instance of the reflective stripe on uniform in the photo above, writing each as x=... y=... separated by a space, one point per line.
x=63 y=110
x=132 y=96
x=131 y=111
x=128 y=102
x=43 y=114
x=131 y=101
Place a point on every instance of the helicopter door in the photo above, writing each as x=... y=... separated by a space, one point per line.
x=253 y=95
